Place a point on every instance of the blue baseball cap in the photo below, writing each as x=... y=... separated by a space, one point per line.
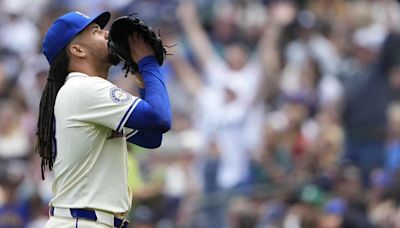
x=67 y=27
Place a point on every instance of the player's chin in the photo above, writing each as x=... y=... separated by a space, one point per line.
x=113 y=59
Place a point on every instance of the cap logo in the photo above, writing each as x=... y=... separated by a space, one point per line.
x=82 y=14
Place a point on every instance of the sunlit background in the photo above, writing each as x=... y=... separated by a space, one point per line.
x=285 y=113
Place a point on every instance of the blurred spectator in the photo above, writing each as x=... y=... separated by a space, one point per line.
x=14 y=211
x=365 y=109
x=242 y=214
x=393 y=136
x=19 y=34
x=14 y=142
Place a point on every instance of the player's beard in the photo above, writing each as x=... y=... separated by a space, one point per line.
x=113 y=59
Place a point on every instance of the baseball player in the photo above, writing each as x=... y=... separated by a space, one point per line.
x=85 y=121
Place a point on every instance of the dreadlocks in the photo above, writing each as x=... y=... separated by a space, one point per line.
x=46 y=123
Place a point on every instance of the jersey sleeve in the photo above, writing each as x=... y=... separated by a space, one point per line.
x=128 y=132
x=103 y=103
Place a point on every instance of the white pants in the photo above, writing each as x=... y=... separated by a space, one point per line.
x=58 y=222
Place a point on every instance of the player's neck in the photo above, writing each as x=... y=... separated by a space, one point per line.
x=90 y=70
x=102 y=72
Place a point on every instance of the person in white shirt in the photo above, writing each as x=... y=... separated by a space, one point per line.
x=85 y=121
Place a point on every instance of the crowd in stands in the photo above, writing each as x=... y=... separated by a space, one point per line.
x=285 y=113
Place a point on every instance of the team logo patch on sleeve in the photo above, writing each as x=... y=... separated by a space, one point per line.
x=119 y=95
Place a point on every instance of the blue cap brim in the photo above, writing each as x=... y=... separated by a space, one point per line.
x=102 y=19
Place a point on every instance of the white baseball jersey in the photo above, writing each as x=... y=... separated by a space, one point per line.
x=91 y=162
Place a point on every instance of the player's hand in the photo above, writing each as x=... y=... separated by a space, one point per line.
x=138 y=47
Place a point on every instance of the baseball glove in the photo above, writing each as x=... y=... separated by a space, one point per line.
x=124 y=26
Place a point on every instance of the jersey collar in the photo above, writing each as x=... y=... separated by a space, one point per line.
x=76 y=74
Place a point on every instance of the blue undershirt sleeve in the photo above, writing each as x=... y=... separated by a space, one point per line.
x=152 y=115
x=146 y=139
